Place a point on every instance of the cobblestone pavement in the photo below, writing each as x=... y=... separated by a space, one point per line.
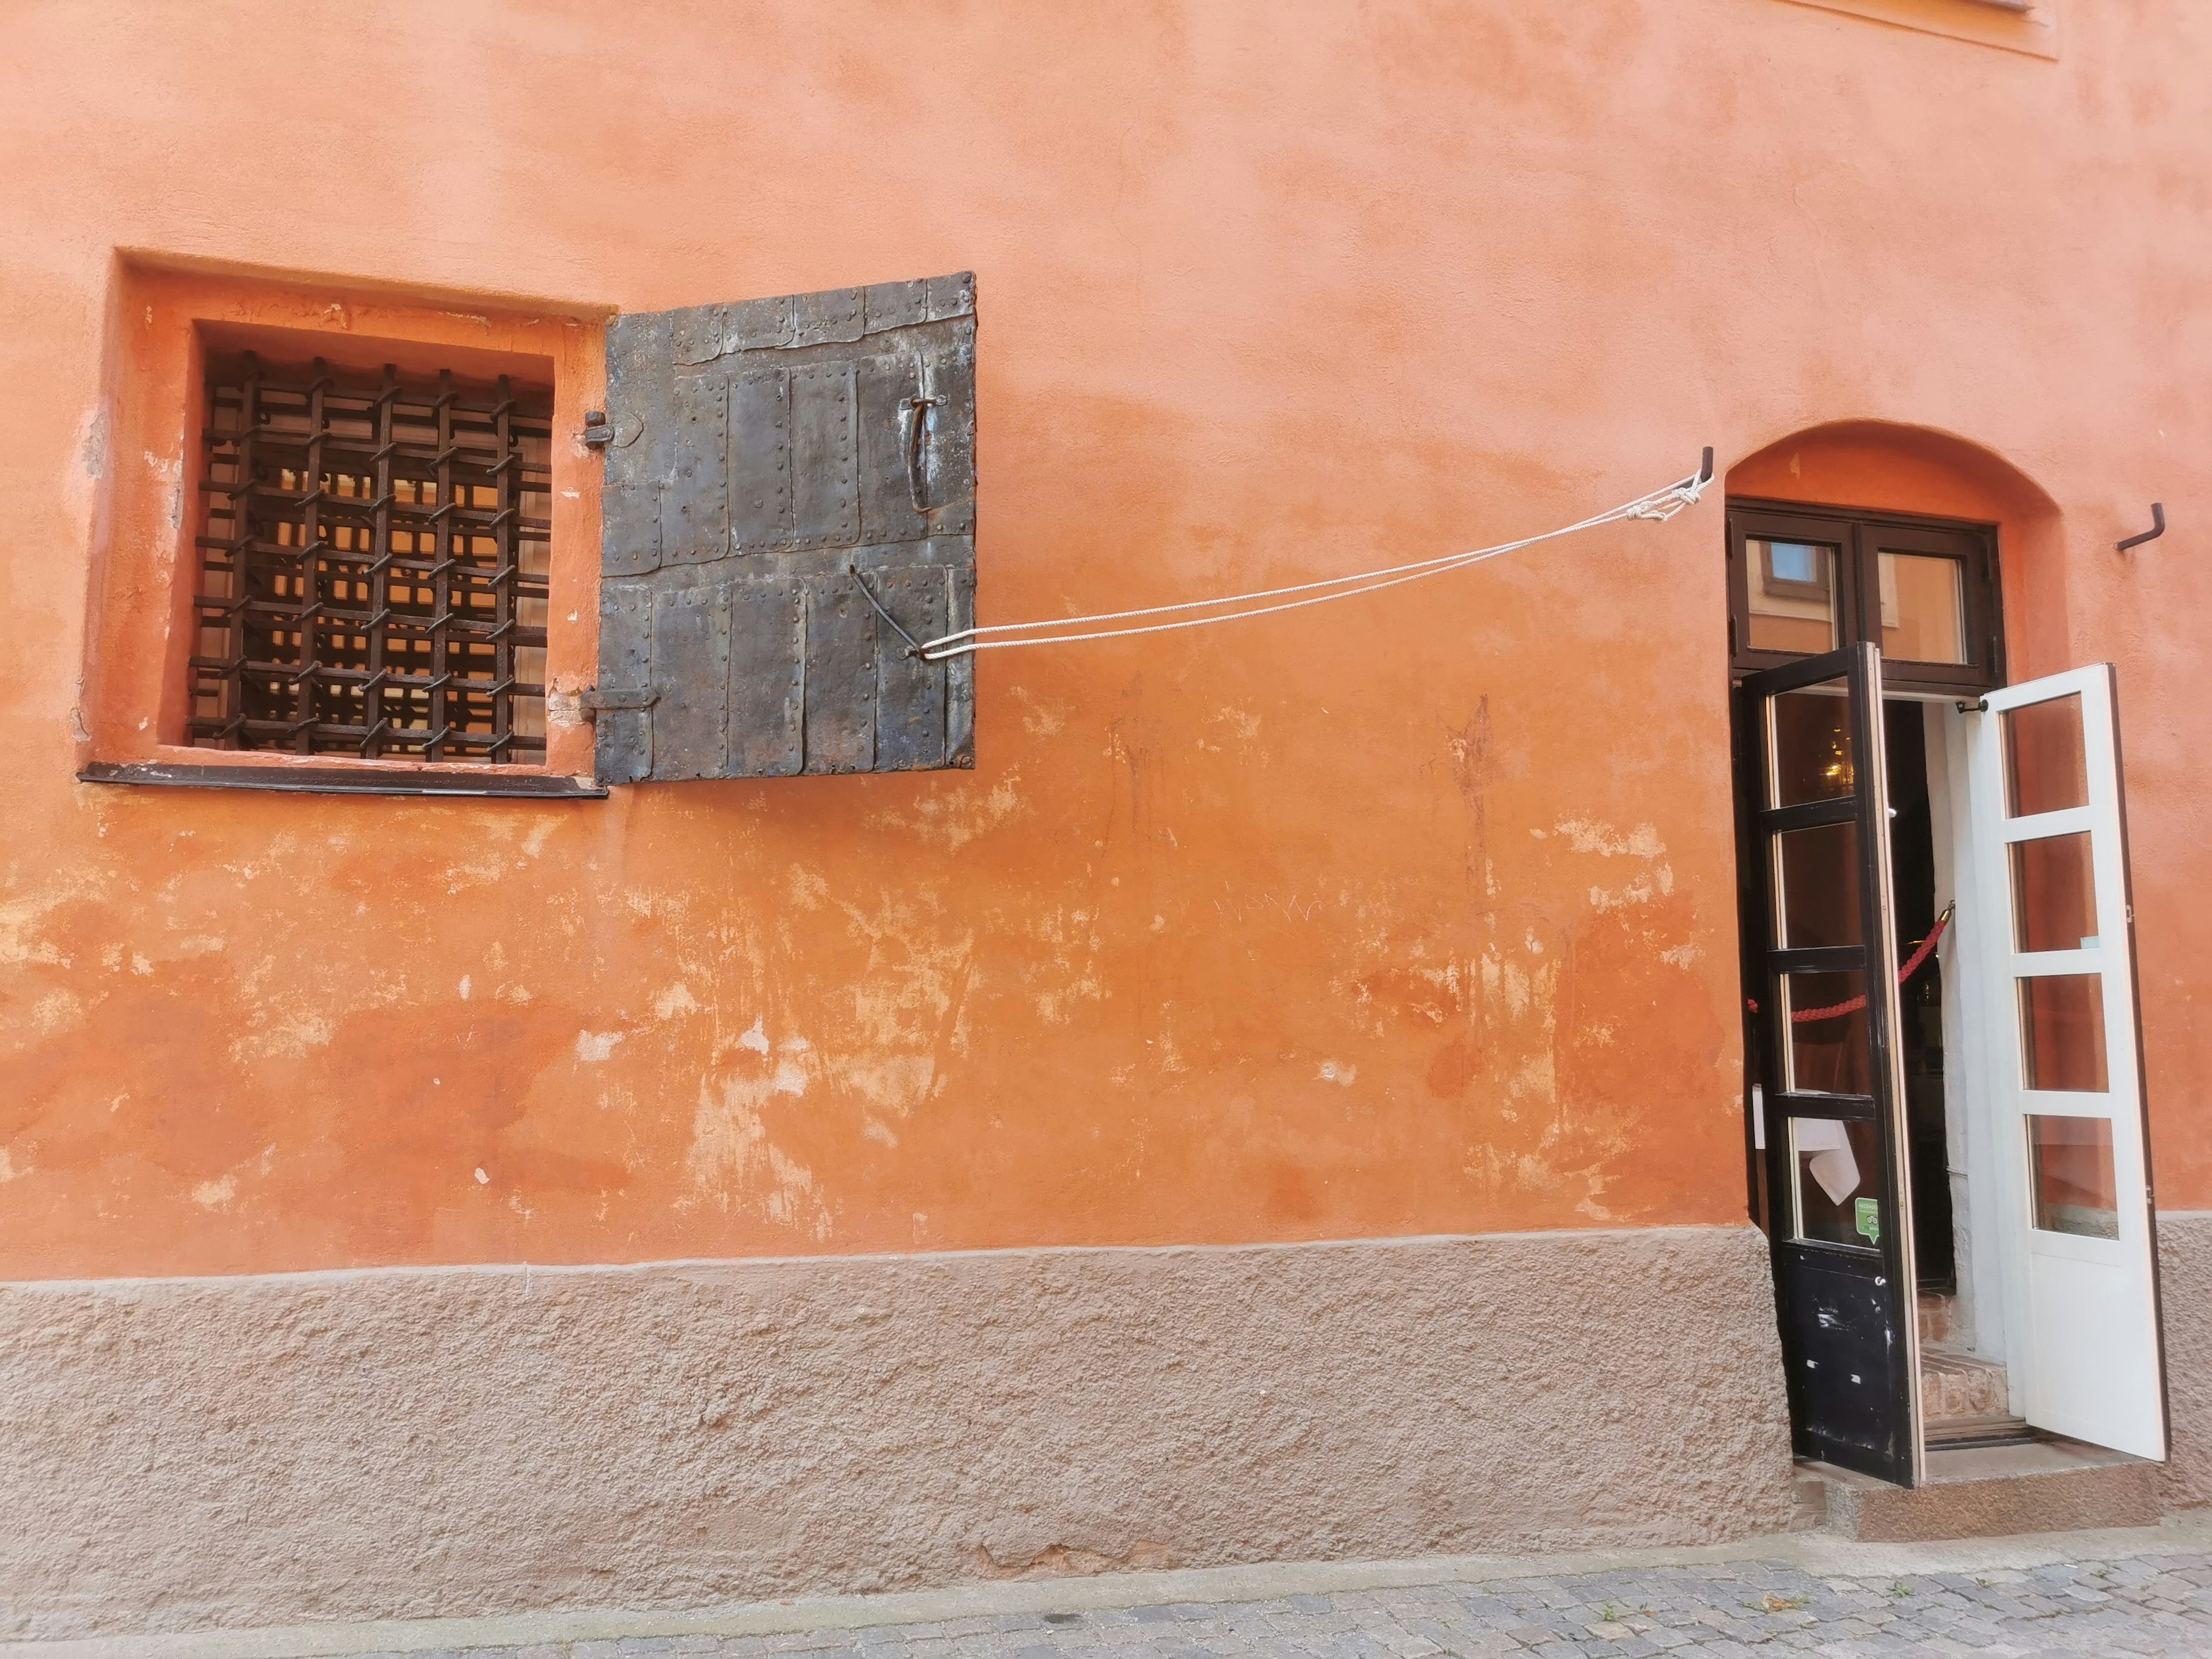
x=2159 y=1604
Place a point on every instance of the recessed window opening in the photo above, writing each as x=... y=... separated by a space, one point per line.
x=373 y=565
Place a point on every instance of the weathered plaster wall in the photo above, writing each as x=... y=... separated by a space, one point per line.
x=1411 y=915
x=458 y=1440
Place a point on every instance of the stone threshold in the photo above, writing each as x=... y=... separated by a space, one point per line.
x=1817 y=1553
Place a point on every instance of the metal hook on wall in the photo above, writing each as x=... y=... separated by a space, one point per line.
x=2157 y=529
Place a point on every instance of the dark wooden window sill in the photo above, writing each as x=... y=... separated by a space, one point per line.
x=342 y=780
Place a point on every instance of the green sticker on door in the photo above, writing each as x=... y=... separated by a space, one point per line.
x=1866 y=1212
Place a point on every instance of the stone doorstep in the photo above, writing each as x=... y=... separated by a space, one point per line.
x=1984 y=1492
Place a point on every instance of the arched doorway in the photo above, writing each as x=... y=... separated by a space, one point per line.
x=1944 y=1092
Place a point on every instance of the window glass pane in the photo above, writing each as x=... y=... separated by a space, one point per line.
x=1818 y=872
x=1923 y=608
x=1792 y=590
x=2070 y=1164
x=1813 y=744
x=1825 y=1015
x=2045 y=768
x=2054 y=894
x=1838 y=1181
x=2062 y=1032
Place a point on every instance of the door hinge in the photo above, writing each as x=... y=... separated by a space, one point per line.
x=596 y=432
x=617 y=701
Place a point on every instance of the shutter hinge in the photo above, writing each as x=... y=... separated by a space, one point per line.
x=596 y=432
x=617 y=701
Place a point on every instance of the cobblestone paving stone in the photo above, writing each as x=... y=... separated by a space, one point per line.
x=2143 y=1605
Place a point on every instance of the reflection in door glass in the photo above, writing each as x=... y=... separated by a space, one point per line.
x=1811 y=737
x=2045 y=768
x=1825 y=1015
x=1818 y=872
x=2069 y=1163
x=1923 y=619
x=1792 y=596
x=2054 y=894
x=2062 y=1032
x=1838 y=1198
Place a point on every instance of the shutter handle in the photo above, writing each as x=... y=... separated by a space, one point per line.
x=597 y=434
x=917 y=408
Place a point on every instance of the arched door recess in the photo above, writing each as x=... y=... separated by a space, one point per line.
x=1953 y=1172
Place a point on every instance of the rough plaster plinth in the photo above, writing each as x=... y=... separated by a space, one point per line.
x=459 y=1441
x=2184 y=1283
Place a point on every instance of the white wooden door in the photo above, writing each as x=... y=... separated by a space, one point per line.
x=2059 y=974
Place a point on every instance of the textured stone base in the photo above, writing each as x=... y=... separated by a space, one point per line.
x=2184 y=1276
x=182 y=1454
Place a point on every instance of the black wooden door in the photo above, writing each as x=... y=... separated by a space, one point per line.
x=1824 y=974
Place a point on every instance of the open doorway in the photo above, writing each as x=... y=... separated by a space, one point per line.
x=1946 y=1154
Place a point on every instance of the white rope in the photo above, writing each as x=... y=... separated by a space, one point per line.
x=1660 y=505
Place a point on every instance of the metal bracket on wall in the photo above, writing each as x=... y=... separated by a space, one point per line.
x=2157 y=529
x=596 y=432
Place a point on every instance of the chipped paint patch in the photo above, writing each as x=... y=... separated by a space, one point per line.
x=8 y=1170
x=676 y=1000
x=596 y=1047
x=732 y=1159
x=56 y=1010
x=1606 y=843
x=953 y=817
x=215 y=1195
x=288 y=1039
x=1336 y=1071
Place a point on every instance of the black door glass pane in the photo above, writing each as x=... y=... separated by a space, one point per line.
x=1818 y=872
x=1829 y=1047
x=1838 y=1181
x=1812 y=736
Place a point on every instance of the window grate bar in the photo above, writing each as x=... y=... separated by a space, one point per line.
x=378 y=607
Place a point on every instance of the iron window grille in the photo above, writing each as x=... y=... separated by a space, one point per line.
x=372 y=573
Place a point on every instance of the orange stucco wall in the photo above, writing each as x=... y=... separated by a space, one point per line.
x=1408 y=915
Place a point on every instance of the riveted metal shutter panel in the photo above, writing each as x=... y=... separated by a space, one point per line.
x=761 y=453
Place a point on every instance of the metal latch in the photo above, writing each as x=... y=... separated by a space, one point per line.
x=596 y=432
x=618 y=701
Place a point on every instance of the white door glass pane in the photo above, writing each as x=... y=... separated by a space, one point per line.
x=2070 y=1175
x=2045 y=768
x=2062 y=1032
x=2054 y=894
x=1792 y=596
x=1923 y=608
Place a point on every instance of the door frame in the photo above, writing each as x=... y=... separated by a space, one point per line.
x=1766 y=960
x=2001 y=1098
